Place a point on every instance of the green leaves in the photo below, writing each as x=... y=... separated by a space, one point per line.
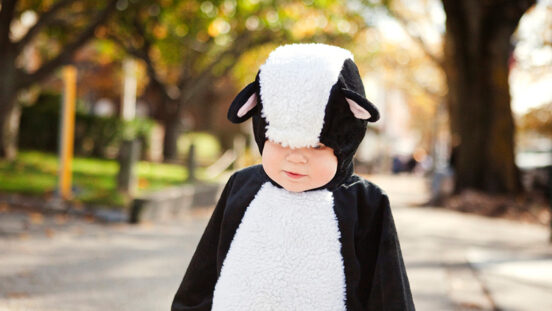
x=198 y=31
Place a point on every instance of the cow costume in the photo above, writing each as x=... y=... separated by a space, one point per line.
x=330 y=248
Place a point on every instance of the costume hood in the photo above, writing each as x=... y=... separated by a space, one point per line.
x=305 y=94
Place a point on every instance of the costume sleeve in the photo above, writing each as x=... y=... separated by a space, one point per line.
x=389 y=288
x=196 y=290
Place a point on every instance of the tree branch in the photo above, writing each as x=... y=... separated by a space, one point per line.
x=6 y=16
x=416 y=38
x=241 y=44
x=129 y=49
x=44 y=20
x=411 y=78
x=209 y=68
x=186 y=69
x=64 y=57
x=142 y=53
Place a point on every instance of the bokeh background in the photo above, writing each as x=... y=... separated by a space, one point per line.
x=463 y=88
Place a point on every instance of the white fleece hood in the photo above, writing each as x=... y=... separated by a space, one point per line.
x=295 y=102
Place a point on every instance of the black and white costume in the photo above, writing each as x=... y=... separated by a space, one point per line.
x=330 y=248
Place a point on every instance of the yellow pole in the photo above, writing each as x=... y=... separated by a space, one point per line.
x=67 y=131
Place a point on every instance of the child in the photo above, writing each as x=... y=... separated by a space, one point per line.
x=301 y=231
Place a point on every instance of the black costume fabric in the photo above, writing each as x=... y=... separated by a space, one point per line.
x=376 y=277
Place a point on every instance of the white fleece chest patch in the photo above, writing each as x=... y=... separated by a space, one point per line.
x=285 y=255
x=295 y=84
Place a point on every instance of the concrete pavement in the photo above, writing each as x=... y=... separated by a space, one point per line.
x=96 y=267
x=454 y=261
x=458 y=261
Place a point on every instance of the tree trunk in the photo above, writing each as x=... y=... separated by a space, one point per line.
x=8 y=92
x=477 y=49
x=6 y=151
x=9 y=131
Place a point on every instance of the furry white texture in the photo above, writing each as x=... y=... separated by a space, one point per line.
x=295 y=84
x=285 y=255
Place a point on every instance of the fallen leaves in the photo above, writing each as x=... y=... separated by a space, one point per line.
x=36 y=218
x=529 y=209
x=17 y=295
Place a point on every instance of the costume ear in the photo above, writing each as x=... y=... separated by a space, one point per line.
x=244 y=104
x=360 y=106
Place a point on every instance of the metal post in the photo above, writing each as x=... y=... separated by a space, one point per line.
x=67 y=131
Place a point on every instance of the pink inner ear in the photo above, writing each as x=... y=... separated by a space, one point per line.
x=357 y=110
x=249 y=104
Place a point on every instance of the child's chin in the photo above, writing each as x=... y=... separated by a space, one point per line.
x=295 y=188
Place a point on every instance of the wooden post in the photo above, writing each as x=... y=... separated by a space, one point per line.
x=129 y=149
x=191 y=163
x=129 y=154
x=67 y=131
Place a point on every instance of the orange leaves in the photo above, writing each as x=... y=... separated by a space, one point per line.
x=36 y=218
x=160 y=31
x=538 y=120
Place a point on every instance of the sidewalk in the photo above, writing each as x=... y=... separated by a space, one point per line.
x=454 y=261
x=86 y=266
x=458 y=261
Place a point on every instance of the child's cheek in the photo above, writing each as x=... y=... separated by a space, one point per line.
x=270 y=161
x=328 y=171
x=267 y=162
x=325 y=167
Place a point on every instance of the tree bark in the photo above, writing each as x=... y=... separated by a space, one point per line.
x=8 y=92
x=10 y=132
x=477 y=49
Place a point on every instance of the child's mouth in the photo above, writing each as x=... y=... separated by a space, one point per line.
x=294 y=175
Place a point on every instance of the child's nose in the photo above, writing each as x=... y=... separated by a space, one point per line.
x=296 y=156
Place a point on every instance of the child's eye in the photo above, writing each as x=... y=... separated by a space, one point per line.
x=319 y=147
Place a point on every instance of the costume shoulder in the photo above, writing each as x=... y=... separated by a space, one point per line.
x=242 y=187
x=362 y=187
x=196 y=289
x=366 y=197
x=248 y=178
x=384 y=282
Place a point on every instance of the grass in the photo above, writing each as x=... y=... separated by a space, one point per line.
x=94 y=180
x=207 y=146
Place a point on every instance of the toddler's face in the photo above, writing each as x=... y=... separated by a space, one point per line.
x=299 y=169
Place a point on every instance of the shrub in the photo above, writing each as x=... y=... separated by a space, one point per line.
x=94 y=135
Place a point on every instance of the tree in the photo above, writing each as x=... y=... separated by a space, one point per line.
x=477 y=52
x=68 y=23
x=186 y=45
x=415 y=67
x=476 y=62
